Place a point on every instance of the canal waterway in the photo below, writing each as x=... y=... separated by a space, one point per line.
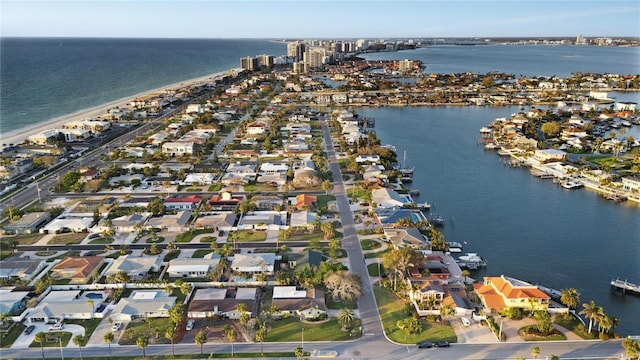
x=526 y=227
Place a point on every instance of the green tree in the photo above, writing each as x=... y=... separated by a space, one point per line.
x=156 y=206
x=176 y=313
x=108 y=338
x=201 y=339
x=142 y=342
x=400 y=260
x=231 y=336
x=535 y=351
x=570 y=297
x=69 y=178
x=40 y=338
x=79 y=340
x=262 y=331
x=327 y=185
x=170 y=334
x=328 y=230
x=410 y=325
x=551 y=128
x=631 y=347
x=343 y=285
x=299 y=352
x=591 y=311
x=447 y=311
x=345 y=317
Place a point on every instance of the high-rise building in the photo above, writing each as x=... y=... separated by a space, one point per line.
x=296 y=49
x=266 y=61
x=315 y=57
x=249 y=63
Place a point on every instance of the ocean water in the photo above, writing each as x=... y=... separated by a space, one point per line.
x=45 y=78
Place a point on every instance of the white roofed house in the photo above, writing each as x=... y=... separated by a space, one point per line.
x=267 y=220
x=171 y=223
x=303 y=219
x=45 y=137
x=61 y=305
x=143 y=304
x=137 y=267
x=211 y=302
x=174 y=148
x=257 y=263
x=308 y=304
x=193 y=268
x=199 y=179
x=75 y=135
x=129 y=223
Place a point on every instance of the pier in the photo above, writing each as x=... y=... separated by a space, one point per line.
x=625 y=287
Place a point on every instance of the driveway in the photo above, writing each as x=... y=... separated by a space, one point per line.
x=23 y=341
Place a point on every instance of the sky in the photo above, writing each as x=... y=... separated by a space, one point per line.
x=304 y=19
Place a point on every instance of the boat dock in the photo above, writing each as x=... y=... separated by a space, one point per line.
x=625 y=287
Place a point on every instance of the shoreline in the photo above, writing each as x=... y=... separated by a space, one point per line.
x=19 y=136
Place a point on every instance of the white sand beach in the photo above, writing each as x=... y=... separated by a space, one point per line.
x=19 y=136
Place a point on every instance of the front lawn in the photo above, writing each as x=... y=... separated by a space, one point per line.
x=369 y=244
x=375 y=269
x=89 y=325
x=8 y=337
x=337 y=305
x=377 y=253
x=154 y=331
x=67 y=239
x=574 y=325
x=530 y=333
x=323 y=201
x=101 y=240
x=53 y=339
x=291 y=330
x=200 y=253
x=248 y=236
x=189 y=235
x=390 y=308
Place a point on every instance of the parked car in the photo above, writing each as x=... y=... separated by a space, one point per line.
x=189 y=325
x=116 y=326
x=29 y=329
x=56 y=327
x=465 y=321
x=424 y=345
x=441 y=344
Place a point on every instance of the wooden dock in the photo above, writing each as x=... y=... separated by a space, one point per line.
x=625 y=287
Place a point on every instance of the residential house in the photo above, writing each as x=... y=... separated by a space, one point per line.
x=77 y=269
x=222 y=221
x=143 y=304
x=20 y=268
x=199 y=179
x=130 y=223
x=194 y=267
x=29 y=223
x=631 y=183
x=171 y=223
x=306 y=201
x=65 y=223
x=401 y=237
x=307 y=304
x=44 y=138
x=182 y=202
x=262 y=220
x=226 y=201
x=177 y=148
x=303 y=219
x=500 y=293
x=387 y=198
x=13 y=302
x=267 y=202
x=256 y=263
x=62 y=305
x=136 y=267
x=308 y=258
x=210 y=302
x=546 y=155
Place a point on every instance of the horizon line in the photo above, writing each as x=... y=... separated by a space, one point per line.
x=637 y=37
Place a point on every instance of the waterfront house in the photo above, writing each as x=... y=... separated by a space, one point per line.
x=44 y=138
x=631 y=183
x=500 y=293
x=77 y=269
x=546 y=155
x=387 y=198
x=136 y=267
x=210 y=302
x=401 y=237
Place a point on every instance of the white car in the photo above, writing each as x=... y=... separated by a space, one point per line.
x=189 y=325
x=56 y=327
x=465 y=321
x=116 y=326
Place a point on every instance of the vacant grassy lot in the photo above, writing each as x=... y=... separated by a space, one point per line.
x=65 y=239
x=291 y=330
x=390 y=308
x=189 y=235
x=248 y=236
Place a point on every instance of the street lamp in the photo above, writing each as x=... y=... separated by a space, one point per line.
x=302 y=342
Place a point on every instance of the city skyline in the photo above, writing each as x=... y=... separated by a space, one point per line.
x=319 y=19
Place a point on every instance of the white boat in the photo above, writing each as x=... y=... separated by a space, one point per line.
x=470 y=257
x=490 y=146
x=570 y=185
x=471 y=261
x=455 y=247
x=406 y=173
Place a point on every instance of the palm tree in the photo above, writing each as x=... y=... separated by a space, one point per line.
x=535 y=351
x=570 y=297
x=447 y=311
x=590 y=310
x=231 y=336
x=261 y=334
x=201 y=339
x=79 y=340
x=299 y=351
x=142 y=342
x=40 y=338
x=606 y=323
x=171 y=334
x=345 y=317
x=108 y=338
